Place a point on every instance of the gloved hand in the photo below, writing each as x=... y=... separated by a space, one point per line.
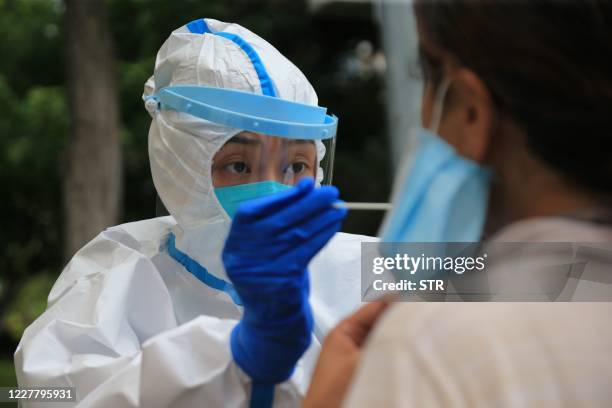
x=271 y=242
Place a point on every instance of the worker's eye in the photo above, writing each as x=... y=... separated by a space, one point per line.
x=238 y=168
x=296 y=168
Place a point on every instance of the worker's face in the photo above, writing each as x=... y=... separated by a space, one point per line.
x=251 y=157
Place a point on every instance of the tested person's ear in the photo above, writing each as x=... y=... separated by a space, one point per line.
x=469 y=116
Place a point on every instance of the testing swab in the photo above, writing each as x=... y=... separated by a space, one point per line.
x=363 y=206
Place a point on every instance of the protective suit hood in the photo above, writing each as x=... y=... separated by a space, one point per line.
x=208 y=52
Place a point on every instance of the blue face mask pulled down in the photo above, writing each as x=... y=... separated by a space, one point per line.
x=441 y=197
x=231 y=197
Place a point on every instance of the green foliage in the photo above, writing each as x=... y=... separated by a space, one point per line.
x=30 y=43
x=33 y=132
x=7 y=373
x=29 y=303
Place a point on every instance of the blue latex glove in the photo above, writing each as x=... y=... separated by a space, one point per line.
x=271 y=242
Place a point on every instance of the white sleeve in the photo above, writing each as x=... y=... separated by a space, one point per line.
x=110 y=332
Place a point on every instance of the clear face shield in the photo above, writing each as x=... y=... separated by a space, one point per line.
x=280 y=141
x=252 y=157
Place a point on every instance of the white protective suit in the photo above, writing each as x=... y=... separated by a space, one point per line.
x=129 y=324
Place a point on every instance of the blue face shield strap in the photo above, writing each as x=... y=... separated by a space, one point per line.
x=267 y=87
x=199 y=26
x=200 y=272
x=247 y=111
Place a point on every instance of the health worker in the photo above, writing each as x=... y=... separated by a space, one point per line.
x=146 y=314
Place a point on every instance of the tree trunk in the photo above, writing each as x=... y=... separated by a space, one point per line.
x=92 y=179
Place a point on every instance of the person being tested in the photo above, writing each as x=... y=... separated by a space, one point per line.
x=517 y=149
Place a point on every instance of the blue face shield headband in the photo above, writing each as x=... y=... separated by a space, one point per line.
x=247 y=111
x=261 y=114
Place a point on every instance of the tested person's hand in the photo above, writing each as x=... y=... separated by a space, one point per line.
x=339 y=357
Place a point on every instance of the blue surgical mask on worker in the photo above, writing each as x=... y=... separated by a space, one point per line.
x=231 y=197
x=439 y=196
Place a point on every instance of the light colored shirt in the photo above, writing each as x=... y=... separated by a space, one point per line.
x=493 y=354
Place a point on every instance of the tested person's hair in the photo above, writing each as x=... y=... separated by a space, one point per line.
x=546 y=63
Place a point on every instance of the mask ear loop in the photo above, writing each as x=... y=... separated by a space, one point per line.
x=438 y=106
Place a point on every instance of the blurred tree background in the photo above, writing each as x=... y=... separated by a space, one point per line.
x=338 y=48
